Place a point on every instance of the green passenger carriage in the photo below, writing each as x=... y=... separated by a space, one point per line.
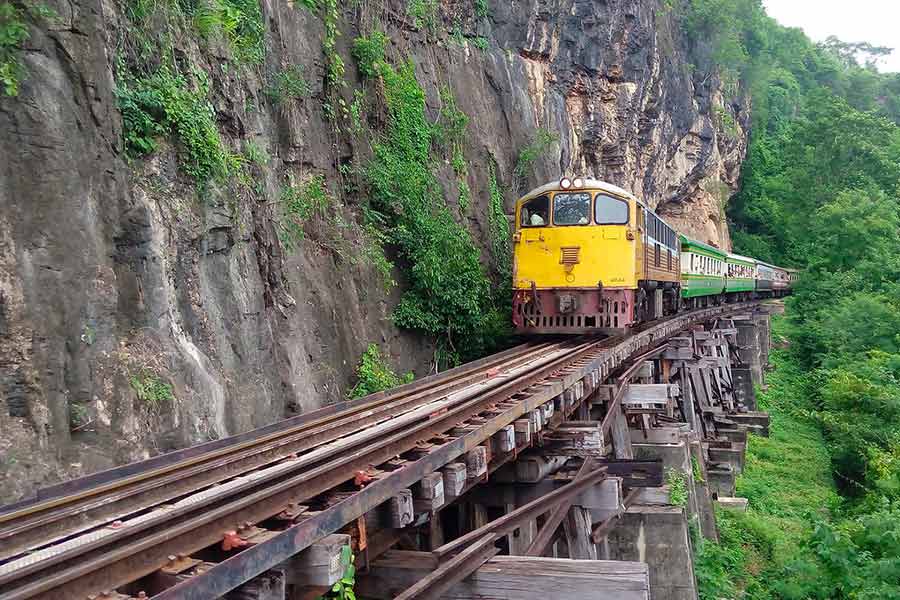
x=740 y=274
x=702 y=270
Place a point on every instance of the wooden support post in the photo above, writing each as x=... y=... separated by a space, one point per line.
x=563 y=496
x=548 y=530
x=665 y=368
x=523 y=432
x=400 y=509
x=577 y=527
x=476 y=462
x=621 y=436
x=478 y=516
x=576 y=438
x=429 y=493
x=534 y=417
x=435 y=531
x=321 y=564
x=454 y=479
x=504 y=440
x=522 y=537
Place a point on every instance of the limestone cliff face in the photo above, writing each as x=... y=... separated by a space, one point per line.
x=110 y=269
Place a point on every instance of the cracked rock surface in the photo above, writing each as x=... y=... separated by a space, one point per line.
x=111 y=268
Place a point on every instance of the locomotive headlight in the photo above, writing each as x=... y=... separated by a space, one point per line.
x=565 y=183
x=578 y=182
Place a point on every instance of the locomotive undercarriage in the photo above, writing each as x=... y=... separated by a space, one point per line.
x=595 y=310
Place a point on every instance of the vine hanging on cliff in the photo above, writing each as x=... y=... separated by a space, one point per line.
x=448 y=294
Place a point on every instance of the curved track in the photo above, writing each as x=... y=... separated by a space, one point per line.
x=112 y=528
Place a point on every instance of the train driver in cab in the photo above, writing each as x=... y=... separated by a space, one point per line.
x=536 y=213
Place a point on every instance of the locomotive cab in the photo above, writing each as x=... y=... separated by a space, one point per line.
x=590 y=257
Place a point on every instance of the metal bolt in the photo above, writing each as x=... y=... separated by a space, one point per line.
x=171 y=558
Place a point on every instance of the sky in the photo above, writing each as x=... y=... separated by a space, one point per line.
x=873 y=21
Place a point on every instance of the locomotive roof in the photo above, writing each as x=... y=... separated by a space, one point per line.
x=589 y=184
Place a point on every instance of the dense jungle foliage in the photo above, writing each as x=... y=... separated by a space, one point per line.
x=820 y=191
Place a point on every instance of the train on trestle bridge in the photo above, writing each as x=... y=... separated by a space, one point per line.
x=590 y=257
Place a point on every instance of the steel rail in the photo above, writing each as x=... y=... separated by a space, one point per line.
x=95 y=481
x=395 y=421
x=262 y=499
x=182 y=477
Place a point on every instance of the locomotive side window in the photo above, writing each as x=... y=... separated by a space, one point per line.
x=610 y=211
x=572 y=209
x=535 y=212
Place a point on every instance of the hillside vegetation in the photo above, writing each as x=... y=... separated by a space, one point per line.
x=820 y=192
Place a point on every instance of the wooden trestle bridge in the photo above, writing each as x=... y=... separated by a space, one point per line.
x=487 y=478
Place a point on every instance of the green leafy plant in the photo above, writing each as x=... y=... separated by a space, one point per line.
x=373 y=254
x=678 y=491
x=481 y=9
x=343 y=588
x=481 y=42
x=238 y=21
x=288 y=84
x=78 y=415
x=725 y=122
x=696 y=470
x=166 y=102
x=542 y=141
x=13 y=32
x=151 y=389
x=374 y=375
x=450 y=129
x=368 y=51
x=299 y=204
x=448 y=294
x=456 y=34
x=334 y=72
x=424 y=13
x=501 y=240
x=255 y=154
x=356 y=112
x=88 y=335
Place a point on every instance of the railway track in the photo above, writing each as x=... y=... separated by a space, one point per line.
x=114 y=495
x=107 y=530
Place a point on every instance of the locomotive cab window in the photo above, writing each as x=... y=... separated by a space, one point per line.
x=572 y=209
x=535 y=212
x=610 y=211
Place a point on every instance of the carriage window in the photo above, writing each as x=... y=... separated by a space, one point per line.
x=572 y=209
x=610 y=211
x=535 y=212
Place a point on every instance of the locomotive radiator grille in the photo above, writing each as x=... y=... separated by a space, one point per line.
x=570 y=255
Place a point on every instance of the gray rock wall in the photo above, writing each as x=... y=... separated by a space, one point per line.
x=110 y=269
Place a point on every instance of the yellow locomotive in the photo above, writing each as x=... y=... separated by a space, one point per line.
x=590 y=257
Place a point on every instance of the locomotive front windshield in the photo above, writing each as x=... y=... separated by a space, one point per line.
x=572 y=209
x=535 y=212
x=610 y=211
